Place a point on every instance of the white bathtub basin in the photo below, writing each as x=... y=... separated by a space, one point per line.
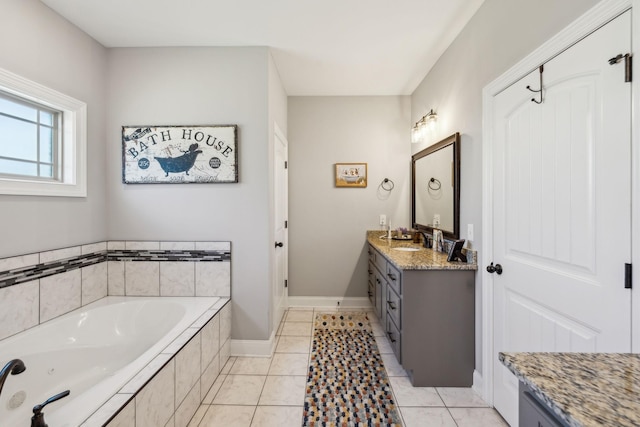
x=93 y=352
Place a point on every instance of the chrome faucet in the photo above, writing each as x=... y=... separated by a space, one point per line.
x=13 y=367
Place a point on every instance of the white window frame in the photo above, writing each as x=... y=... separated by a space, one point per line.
x=72 y=181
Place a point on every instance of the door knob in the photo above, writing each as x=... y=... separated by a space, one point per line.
x=494 y=269
x=279 y=244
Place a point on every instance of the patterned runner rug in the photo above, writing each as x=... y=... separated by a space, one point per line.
x=346 y=383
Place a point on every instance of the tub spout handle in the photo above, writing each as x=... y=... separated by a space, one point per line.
x=13 y=367
x=38 y=417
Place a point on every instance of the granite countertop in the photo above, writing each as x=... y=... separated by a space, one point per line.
x=583 y=389
x=423 y=259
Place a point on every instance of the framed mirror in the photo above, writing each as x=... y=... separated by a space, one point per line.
x=435 y=187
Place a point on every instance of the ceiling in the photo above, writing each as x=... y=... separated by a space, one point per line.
x=329 y=47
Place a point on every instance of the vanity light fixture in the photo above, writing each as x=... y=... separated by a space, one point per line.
x=423 y=126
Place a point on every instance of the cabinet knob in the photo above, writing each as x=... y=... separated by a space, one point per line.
x=391 y=276
x=391 y=305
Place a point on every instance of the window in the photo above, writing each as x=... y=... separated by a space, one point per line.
x=42 y=140
x=29 y=139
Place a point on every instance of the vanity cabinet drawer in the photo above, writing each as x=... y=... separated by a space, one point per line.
x=394 y=278
x=394 y=306
x=380 y=262
x=372 y=254
x=393 y=333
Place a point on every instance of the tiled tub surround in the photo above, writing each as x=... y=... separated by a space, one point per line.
x=583 y=389
x=38 y=287
x=95 y=350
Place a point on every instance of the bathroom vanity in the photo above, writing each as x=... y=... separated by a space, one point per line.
x=427 y=307
x=576 y=389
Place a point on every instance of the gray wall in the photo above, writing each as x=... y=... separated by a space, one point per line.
x=500 y=34
x=41 y=46
x=182 y=86
x=327 y=254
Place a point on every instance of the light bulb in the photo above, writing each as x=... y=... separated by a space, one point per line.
x=415 y=134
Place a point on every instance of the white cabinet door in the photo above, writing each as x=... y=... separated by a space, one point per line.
x=562 y=202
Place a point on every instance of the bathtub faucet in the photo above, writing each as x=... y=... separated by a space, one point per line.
x=38 y=416
x=13 y=367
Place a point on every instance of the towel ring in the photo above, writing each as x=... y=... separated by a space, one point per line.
x=434 y=184
x=387 y=184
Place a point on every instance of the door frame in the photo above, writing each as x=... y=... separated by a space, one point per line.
x=593 y=19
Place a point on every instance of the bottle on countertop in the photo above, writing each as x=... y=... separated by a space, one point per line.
x=436 y=240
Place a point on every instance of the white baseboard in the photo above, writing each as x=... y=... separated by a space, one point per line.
x=478 y=384
x=350 y=302
x=254 y=348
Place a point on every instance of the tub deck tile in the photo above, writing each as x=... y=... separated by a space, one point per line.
x=202 y=320
x=221 y=303
x=106 y=411
x=146 y=374
x=181 y=341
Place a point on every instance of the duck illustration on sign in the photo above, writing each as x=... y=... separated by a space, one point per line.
x=179 y=154
x=180 y=164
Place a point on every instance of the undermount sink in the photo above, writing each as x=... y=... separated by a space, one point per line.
x=406 y=249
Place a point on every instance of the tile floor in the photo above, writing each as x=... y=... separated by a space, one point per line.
x=265 y=392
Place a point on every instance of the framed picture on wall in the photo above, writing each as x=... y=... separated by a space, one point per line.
x=179 y=154
x=351 y=175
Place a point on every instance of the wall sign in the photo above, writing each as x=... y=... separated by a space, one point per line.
x=179 y=154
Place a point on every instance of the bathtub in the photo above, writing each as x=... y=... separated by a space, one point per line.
x=93 y=352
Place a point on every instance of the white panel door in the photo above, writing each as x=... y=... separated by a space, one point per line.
x=280 y=230
x=562 y=201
